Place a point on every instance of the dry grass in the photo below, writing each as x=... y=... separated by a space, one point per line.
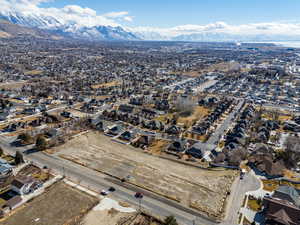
x=4 y=34
x=284 y=118
x=61 y=204
x=12 y=85
x=106 y=85
x=165 y=117
x=33 y=72
x=270 y=185
x=158 y=146
x=198 y=113
x=254 y=205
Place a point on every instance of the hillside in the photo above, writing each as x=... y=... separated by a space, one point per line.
x=9 y=30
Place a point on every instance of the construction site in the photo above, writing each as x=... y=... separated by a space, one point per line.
x=203 y=190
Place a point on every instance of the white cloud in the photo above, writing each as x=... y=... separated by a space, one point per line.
x=82 y=16
x=73 y=14
x=116 y=14
x=128 y=18
x=273 y=28
x=120 y=16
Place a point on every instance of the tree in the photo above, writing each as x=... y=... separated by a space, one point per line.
x=41 y=143
x=1 y=151
x=19 y=158
x=170 y=220
x=291 y=155
x=25 y=138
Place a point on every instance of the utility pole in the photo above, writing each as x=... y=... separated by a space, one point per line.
x=63 y=171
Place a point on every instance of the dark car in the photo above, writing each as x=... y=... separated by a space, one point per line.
x=138 y=195
x=111 y=189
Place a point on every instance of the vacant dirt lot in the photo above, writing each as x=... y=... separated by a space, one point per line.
x=202 y=189
x=60 y=205
x=198 y=113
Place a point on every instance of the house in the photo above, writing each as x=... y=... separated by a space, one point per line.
x=173 y=129
x=143 y=141
x=25 y=185
x=113 y=130
x=3 y=116
x=195 y=152
x=177 y=146
x=66 y=114
x=5 y=169
x=97 y=124
x=288 y=193
x=13 y=203
x=283 y=207
x=127 y=135
x=126 y=108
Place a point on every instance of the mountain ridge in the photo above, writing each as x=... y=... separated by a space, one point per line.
x=68 y=30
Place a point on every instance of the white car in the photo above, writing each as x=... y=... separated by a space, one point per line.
x=104 y=192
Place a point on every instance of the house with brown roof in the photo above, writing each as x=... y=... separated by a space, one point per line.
x=283 y=208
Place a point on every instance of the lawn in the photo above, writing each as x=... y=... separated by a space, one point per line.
x=254 y=205
x=270 y=185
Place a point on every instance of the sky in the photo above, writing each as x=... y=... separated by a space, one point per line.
x=169 y=13
x=171 y=17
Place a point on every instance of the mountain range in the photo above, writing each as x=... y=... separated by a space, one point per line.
x=17 y=23
x=35 y=24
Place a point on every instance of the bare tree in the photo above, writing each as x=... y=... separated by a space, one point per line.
x=291 y=154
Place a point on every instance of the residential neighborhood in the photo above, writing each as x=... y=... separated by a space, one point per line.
x=204 y=133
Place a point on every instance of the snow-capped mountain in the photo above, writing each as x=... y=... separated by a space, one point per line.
x=69 y=29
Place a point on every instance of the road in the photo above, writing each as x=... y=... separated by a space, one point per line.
x=239 y=189
x=225 y=125
x=33 y=115
x=171 y=86
x=152 y=203
x=282 y=108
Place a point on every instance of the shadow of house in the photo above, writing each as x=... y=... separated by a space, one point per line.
x=177 y=146
x=127 y=136
x=195 y=152
x=113 y=130
x=173 y=129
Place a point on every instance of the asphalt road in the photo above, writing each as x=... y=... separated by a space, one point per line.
x=225 y=125
x=239 y=189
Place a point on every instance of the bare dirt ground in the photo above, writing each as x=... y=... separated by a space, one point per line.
x=59 y=205
x=12 y=85
x=114 y=217
x=201 y=189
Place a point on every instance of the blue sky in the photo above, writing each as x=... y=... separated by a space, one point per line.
x=168 y=13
